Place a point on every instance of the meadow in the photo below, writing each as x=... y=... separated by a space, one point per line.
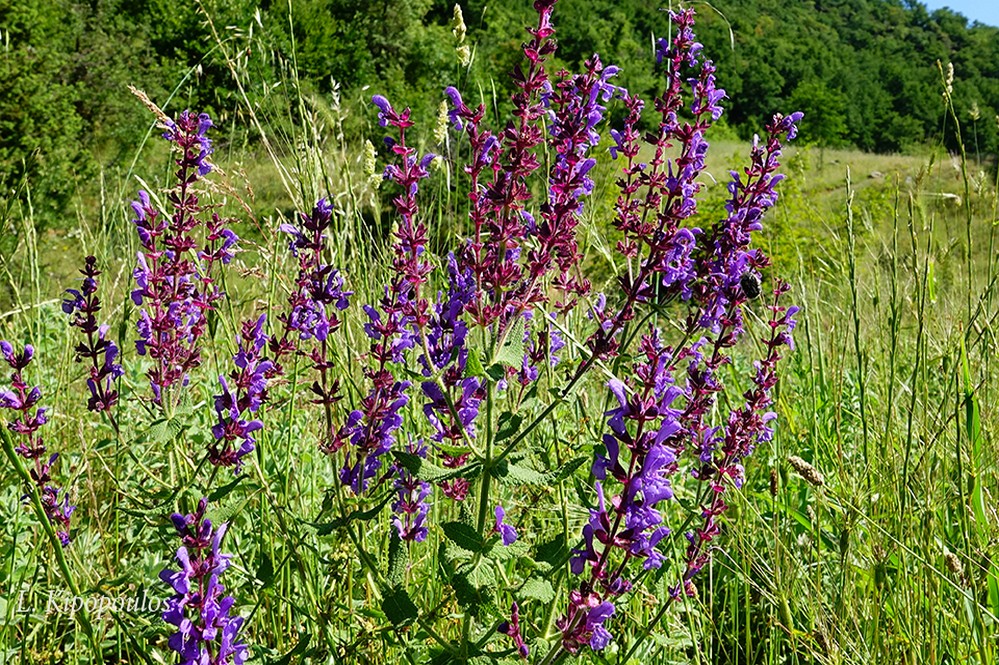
x=861 y=529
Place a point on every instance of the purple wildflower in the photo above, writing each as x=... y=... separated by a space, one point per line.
x=233 y=433
x=29 y=418
x=206 y=633
x=411 y=506
x=512 y=628
x=102 y=353
x=173 y=276
x=507 y=533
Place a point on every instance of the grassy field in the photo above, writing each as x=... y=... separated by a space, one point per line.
x=891 y=555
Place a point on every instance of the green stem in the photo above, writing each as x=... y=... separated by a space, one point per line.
x=36 y=501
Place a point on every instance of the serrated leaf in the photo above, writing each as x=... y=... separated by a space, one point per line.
x=398 y=558
x=464 y=536
x=538 y=589
x=164 y=430
x=512 y=351
x=473 y=591
x=509 y=425
x=568 y=469
x=428 y=471
x=516 y=474
x=500 y=552
x=225 y=511
x=399 y=607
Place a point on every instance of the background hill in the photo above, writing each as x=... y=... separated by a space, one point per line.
x=864 y=71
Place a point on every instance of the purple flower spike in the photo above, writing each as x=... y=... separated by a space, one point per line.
x=411 y=506
x=233 y=433
x=101 y=352
x=173 y=275
x=512 y=628
x=199 y=609
x=28 y=418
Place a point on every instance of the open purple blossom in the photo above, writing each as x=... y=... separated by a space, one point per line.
x=411 y=505
x=241 y=396
x=174 y=283
x=28 y=418
x=583 y=625
x=207 y=633
x=313 y=306
x=101 y=352
x=507 y=533
x=370 y=431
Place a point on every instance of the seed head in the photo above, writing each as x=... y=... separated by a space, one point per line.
x=806 y=471
x=953 y=564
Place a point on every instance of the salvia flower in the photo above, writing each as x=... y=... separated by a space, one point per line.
x=396 y=323
x=583 y=625
x=173 y=274
x=746 y=427
x=207 y=633
x=512 y=628
x=411 y=505
x=28 y=418
x=101 y=352
x=241 y=396
x=507 y=533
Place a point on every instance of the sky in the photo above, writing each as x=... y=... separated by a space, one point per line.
x=983 y=11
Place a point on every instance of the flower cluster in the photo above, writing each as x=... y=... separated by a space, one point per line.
x=645 y=426
x=747 y=426
x=411 y=505
x=398 y=321
x=101 y=352
x=206 y=632
x=653 y=222
x=29 y=418
x=512 y=628
x=173 y=276
x=313 y=308
x=666 y=407
x=248 y=390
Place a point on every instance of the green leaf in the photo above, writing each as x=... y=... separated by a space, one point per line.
x=473 y=590
x=552 y=552
x=538 y=589
x=399 y=607
x=428 y=471
x=329 y=527
x=514 y=474
x=512 y=351
x=568 y=469
x=222 y=492
x=499 y=552
x=509 y=424
x=398 y=557
x=496 y=372
x=164 y=430
x=464 y=536
x=473 y=366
